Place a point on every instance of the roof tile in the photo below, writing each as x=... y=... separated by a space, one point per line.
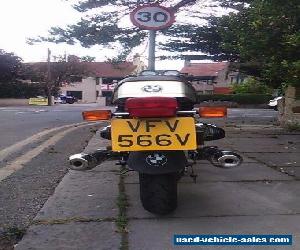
x=204 y=69
x=99 y=69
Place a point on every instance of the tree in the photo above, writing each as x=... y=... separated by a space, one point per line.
x=87 y=59
x=10 y=66
x=11 y=75
x=262 y=37
x=60 y=72
x=108 y=26
x=252 y=86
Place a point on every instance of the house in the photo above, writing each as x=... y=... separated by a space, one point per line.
x=89 y=82
x=99 y=80
x=212 y=78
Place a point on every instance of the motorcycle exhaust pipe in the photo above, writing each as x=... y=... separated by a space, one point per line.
x=220 y=158
x=83 y=161
x=226 y=159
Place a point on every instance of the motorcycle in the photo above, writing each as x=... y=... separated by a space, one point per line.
x=155 y=131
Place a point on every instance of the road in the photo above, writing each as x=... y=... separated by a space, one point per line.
x=252 y=113
x=252 y=116
x=18 y=123
x=34 y=147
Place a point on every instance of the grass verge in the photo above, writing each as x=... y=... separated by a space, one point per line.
x=10 y=237
x=293 y=127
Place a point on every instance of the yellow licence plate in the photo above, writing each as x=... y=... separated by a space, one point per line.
x=153 y=134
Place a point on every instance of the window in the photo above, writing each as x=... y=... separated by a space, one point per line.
x=232 y=79
x=77 y=94
x=74 y=78
x=209 y=82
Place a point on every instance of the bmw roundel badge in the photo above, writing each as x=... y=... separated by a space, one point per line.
x=156 y=159
x=152 y=88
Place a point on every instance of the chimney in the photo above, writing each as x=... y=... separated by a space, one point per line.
x=140 y=65
x=136 y=59
x=187 y=62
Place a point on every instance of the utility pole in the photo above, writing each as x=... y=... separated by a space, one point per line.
x=48 y=81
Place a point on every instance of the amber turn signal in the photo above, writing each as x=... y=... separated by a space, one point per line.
x=212 y=112
x=96 y=115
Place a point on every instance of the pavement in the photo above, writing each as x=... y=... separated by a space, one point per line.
x=100 y=208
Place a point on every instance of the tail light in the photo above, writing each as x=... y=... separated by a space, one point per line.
x=212 y=112
x=96 y=115
x=151 y=107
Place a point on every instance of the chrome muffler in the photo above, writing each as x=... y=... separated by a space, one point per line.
x=226 y=159
x=220 y=158
x=83 y=161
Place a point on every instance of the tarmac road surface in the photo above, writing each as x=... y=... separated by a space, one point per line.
x=19 y=123
x=35 y=143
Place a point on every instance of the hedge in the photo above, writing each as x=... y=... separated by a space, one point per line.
x=237 y=98
x=20 y=90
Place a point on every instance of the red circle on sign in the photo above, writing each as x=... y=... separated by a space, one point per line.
x=169 y=11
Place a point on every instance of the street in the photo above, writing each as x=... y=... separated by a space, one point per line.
x=34 y=147
x=18 y=123
x=170 y=166
x=259 y=197
x=84 y=213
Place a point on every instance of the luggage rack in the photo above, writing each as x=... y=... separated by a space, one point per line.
x=171 y=73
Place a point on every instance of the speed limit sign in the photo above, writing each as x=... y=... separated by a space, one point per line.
x=152 y=17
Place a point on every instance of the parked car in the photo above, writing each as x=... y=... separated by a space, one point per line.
x=57 y=100
x=274 y=102
x=65 y=99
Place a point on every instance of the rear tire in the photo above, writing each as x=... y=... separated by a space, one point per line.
x=158 y=193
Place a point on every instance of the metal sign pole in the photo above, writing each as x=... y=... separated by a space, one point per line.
x=151 y=57
x=152 y=17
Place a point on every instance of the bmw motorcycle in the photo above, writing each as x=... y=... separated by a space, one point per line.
x=156 y=131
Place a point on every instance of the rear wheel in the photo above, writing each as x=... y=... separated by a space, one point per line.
x=158 y=193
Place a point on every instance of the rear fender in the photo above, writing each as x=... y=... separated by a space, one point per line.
x=157 y=162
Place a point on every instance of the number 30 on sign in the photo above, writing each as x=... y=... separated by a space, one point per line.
x=152 y=17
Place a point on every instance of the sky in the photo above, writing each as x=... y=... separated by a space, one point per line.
x=22 y=19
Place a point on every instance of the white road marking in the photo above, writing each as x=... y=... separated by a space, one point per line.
x=245 y=116
x=19 y=162
x=41 y=110
x=18 y=146
x=10 y=110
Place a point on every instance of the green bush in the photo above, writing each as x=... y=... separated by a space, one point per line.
x=238 y=98
x=251 y=86
x=20 y=90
